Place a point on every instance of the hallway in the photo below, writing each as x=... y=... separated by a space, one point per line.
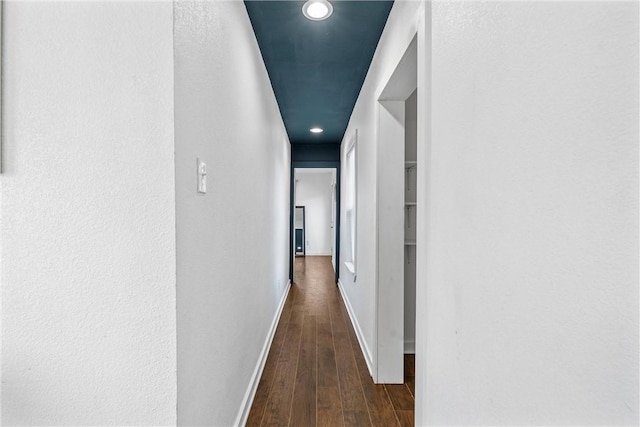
x=304 y=383
x=487 y=152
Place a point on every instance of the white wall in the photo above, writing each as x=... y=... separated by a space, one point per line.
x=233 y=241
x=313 y=191
x=532 y=301
x=87 y=215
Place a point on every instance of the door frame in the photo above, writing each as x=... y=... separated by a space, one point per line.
x=309 y=165
x=388 y=365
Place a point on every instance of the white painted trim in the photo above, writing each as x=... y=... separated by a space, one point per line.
x=250 y=394
x=409 y=347
x=390 y=226
x=352 y=150
x=356 y=326
x=350 y=267
x=318 y=254
x=424 y=233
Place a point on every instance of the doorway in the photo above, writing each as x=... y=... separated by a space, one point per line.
x=317 y=190
x=397 y=220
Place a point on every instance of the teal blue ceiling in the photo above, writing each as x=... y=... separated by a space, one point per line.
x=317 y=67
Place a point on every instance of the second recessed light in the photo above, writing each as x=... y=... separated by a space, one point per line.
x=316 y=130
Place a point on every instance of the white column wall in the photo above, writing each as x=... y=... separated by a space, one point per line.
x=87 y=215
x=532 y=301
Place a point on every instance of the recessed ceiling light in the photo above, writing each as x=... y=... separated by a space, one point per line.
x=316 y=130
x=317 y=10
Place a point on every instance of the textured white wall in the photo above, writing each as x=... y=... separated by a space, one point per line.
x=532 y=304
x=233 y=242
x=314 y=193
x=87 y=215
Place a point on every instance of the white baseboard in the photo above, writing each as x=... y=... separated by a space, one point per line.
x=243 y=414
x=409 y=347
x=356 y=326
x=318 y=254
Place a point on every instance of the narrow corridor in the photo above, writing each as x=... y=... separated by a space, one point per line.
x=315 y=373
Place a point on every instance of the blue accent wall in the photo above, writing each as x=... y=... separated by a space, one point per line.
x=315 y=153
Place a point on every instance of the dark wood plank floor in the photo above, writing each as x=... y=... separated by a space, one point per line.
x=315 y=374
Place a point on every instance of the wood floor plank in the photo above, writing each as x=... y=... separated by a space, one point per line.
x=381 y=411
x=297 y=310
x=329 y=408
x=289 y=352
x=400 y=396
x=264 y=386
x=303 y=409
x=278 y=407
x=259 y=404
x=411 y=383
x=407 y=418
x=354 y=405
x=329 y=404
x=327 y=370
x=274 y=353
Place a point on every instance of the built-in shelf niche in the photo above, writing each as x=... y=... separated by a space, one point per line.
x=410 y=175
x=410 y=222
x=410 y=205
x=410 y=217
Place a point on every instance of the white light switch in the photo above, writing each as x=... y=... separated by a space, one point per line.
x=202 y=176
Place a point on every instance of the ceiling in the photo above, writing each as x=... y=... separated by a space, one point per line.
x=317 y=67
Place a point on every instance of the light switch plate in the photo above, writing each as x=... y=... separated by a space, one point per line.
x=202 y=176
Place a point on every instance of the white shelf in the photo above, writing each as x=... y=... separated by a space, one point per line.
x=410 y=243
x=410 y=203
